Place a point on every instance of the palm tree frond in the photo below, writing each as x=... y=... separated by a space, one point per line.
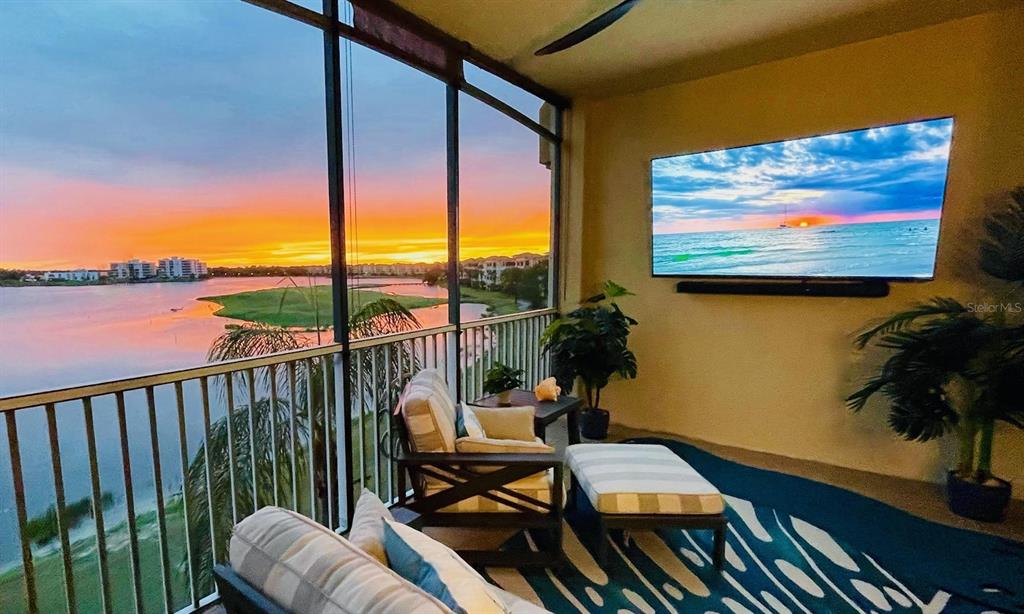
x=250 y=340
x=383 y=316
x=1002 y=248
x=937 y=306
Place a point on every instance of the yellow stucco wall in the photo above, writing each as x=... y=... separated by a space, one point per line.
x=771 y=373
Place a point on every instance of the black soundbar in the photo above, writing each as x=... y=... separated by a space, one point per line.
x=863 y=289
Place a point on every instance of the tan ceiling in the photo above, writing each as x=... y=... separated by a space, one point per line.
x=665 y=41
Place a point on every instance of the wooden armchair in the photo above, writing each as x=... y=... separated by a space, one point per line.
x=515 y=490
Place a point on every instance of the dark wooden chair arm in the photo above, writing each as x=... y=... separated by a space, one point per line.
x=240 y=597
x=540 y=461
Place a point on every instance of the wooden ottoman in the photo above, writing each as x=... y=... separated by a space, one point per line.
x=644 y=487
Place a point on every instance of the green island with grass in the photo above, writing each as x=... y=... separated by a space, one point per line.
x=305 y=308
x=299 y=307
x=498 y=303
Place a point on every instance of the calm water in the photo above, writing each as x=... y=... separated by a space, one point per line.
x=55 y=337
x=881 y=249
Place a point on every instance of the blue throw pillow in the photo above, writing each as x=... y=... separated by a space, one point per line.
x=438 y=570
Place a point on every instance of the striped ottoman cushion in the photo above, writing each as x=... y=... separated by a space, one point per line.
x=305 y=567
x=640 y=479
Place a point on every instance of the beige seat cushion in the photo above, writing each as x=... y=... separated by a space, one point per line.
x=305 y=567
x=640 y=479
x=486 y=445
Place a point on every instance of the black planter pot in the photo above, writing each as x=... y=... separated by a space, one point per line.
x=970 y=499
x=594 y=423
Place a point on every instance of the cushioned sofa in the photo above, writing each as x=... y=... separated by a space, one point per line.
x=281 y=561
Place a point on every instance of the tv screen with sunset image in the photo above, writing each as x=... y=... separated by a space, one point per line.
x=859 y=204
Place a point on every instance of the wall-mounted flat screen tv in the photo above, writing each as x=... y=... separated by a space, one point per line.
x=863 y=204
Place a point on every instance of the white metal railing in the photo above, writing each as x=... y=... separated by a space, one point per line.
x=193 y=451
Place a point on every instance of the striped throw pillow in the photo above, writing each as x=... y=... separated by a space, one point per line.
x=438 y=570
x=305 y=567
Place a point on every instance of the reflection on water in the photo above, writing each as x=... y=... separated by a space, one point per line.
x=54 y=337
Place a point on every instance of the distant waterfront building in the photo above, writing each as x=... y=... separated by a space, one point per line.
x=397 y=269
x=182 y=268
x=132 y=269
x=75 y=275
x=488 y=270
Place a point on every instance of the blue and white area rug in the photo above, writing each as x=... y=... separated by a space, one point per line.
x=794 y=545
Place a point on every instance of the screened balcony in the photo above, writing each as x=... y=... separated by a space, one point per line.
x=129 y=456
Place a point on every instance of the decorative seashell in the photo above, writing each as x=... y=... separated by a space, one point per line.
x=547 y=390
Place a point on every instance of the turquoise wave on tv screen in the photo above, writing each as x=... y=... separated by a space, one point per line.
x=865 y=203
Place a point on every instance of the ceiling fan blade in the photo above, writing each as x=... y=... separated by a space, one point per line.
x=589 y=29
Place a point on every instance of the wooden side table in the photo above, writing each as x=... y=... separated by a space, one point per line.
x=547 y=411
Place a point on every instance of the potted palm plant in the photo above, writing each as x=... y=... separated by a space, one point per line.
x=589 y=344
x=959 y=368
x=501 y=380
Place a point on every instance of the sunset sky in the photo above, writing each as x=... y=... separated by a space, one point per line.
x=882 y=174
x=149 y=129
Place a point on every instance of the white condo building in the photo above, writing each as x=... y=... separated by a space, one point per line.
x=132 y=269
x=179 y=268
x=75 y=275
x=491 y=268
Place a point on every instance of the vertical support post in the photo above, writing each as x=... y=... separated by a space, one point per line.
x=454 y=299
x=27 y=566
x=555 y=260
x=62 y=519
x=339 y=270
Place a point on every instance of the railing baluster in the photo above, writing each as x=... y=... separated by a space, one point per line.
x=478 y=363
x=534 y=347
x=464 y=355
x=528 y=352
x=129 y=501
x=28 y=569
x=521 y=324
x=272 y=375
x=329 y=442
x=506 y=347
x=97 y=505
x=229 y=388
x=251 y=373
x=311 y=452
x=441 y=356
x=389 y=384
x=492 y=348
x=62 y=525
x=293 y=434
x=204 y=388
x=547 y=355
x=404 y=360
x=376 y=421
x=158 y=487
x=359 y=404
x=512 y=336
x=183 y=454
